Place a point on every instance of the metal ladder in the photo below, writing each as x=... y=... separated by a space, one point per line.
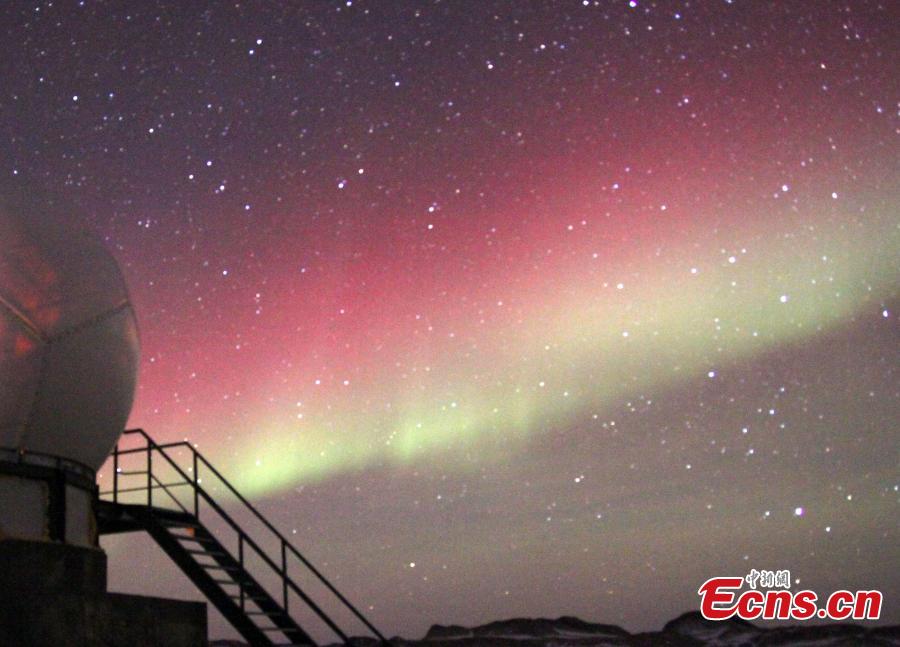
x=260 y=616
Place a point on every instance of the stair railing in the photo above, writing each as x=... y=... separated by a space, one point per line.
x=286 y=547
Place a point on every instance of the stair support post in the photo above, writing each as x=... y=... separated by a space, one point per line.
x=284 y=575
x=196 y=491
x=241 y=562
x=149 y=474
x=116 y=474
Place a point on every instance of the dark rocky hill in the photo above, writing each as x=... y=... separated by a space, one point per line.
x=688 y=630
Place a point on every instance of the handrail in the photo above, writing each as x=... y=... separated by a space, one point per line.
x=158 y=486
x=243 y=537
x=292 y=548
x=141 y=450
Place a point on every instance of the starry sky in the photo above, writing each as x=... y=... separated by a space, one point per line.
x=500 y=308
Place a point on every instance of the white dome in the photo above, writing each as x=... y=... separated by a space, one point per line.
x=68 y=338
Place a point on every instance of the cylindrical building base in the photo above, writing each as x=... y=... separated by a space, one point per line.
x=46 y=498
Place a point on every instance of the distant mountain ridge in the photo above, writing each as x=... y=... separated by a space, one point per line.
x=688 y=630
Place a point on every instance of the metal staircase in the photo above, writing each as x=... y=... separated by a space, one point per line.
x=238 y=585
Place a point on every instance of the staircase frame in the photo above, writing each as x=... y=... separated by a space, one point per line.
x=116 y=516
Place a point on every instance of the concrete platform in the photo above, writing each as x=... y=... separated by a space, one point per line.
x=54 y=595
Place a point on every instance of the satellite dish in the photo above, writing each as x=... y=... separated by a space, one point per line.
x=68 y=337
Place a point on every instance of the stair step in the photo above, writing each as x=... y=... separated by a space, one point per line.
x=273 y=629
x=211 y=553
x=219 y=567
x=264 y=613
x=174 y=523
x=200 y=540
x=250 y=598
x=229 y=582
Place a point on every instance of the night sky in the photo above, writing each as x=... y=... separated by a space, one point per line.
x=500 y=308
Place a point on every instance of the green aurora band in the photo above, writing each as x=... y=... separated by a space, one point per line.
x=583 y=345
